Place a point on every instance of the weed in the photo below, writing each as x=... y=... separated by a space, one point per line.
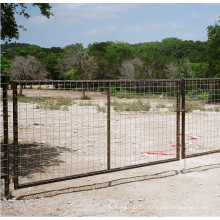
x=100 y=108
x=85 y=104
x=131 y=106
x=56 y=104
x=161 y=106
x=85 y=97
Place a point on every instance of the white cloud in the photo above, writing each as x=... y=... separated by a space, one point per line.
x=139 y=28
x=194 y=36
x=68 y=14
x=206 y=17
x=85 y=12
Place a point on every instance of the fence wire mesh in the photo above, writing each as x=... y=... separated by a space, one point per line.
x=70 y=128
x=4 y=165
x=202 y=117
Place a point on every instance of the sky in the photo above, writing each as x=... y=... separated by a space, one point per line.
x=128 y=22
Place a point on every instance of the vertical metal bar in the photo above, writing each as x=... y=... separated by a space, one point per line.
x=15 y=134
x=183 y=118
x=178 y=121
x=5 y=124
x=108 y=127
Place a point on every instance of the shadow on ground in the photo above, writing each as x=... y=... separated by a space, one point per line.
x=116 y=182
x=102 y=185
x=33 y=158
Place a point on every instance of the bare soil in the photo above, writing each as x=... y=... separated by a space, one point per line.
x=160 y=190
x=58 y=143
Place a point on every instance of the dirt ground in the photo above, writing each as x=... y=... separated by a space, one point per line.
x=59 y=143
x=159 y=190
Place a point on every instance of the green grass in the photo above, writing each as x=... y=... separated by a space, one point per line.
x=85 y=104
x=192 y=106
x=58 y=104
x=131 y=106
x=161 y=106
x=25 y=99
x=100 y=108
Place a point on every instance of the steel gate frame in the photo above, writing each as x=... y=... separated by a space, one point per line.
x=180 y=114
x=17 y=185
x=184 y=83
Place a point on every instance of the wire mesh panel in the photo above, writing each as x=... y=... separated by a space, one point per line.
x=4 y=165
x=202 y=116
x=62 y=129
x=144 y=122
x=70 y=129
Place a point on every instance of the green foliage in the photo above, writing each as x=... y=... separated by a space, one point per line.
x=170 y=58
x=71 y=75
x=214 y=49
x=9 y=26
x=4 y=63
x=214 y=96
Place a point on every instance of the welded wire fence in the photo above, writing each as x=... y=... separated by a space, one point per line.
x=59 y=130
x=68 y=129
x=201 y=116
x=4 y=165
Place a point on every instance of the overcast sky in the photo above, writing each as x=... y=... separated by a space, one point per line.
x=133 y=23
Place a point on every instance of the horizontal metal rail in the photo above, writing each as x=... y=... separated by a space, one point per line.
x=35 y=82
x=94 y=173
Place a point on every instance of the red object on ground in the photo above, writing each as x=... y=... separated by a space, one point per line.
x=154 y=153
x=193 y=138
x=174 y=145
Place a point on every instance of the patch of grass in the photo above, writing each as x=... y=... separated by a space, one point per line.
x=203 y=96
x=131 y=106
x=25 y=99
x=191 y=106
x=132 y=94
x=57 y=104
x=85 y=104
x=161 y=106
x=214 y=109
x=100 y=108
x=85 y=97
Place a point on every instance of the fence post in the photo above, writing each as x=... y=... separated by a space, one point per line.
x=15 y=133
x=178 y=120
x=5 y=128
x=108 y=127
x=183 y=118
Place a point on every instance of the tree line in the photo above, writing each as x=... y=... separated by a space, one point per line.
x=169 y=58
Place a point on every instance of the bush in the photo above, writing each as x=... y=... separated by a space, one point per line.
x=214 y=97
x=71 y=75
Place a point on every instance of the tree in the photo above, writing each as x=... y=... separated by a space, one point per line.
x=214 y=49
x=4 y=63
x=27 y=68
x=78 y=57
x=9 y=26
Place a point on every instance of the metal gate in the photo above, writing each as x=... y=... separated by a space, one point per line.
x=200 y=117
x=61 y=130
x=70 y=129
